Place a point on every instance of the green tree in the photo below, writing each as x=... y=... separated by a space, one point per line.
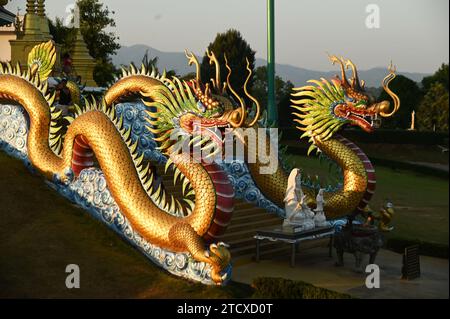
x=410 y=96
x=440 y=76
x=282 y=95
x=432 y=113
x=237 y=50
x=62 y=35
x=95 y=18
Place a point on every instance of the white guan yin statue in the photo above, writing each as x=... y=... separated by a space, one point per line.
x=319 y=219
x=297 y=212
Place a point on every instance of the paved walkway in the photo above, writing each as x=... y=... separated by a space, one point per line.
x=314 y=266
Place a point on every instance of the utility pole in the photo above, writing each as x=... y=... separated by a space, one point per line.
x=271 y=105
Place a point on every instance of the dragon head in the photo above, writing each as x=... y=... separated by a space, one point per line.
x=328 y=106
x=191 y=108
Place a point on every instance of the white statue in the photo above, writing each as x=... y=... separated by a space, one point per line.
x=319 y=219
x=297 y=212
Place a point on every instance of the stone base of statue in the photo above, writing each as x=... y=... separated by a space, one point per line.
x=320 y=220
x=299 y=225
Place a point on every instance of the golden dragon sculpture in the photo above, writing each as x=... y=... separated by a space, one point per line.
x=198 y=114
x=97 y=131
x=321 y=110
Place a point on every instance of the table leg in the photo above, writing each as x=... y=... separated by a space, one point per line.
x=330 y=252
x=293 y=255
x=257 y=250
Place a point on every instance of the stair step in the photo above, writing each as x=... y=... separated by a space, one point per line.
x=246 y=210
x=257 y=224
x=239 y=204
x=238 y=219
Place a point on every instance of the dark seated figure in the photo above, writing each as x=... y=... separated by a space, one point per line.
x=64 y=93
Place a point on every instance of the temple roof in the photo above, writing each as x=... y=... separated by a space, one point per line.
x=6 y=17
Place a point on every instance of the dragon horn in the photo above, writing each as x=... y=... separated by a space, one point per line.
x=192 y=59
x=335 y=59
x=241 y=101
x=394 y=97
x=258 y=108
x=356 y=84
x=213 y=59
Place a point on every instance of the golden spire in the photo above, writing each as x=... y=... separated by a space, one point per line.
x=32 y=26
x=40 y=8
x=44 y=21
x=83 y=63
x=31 y=6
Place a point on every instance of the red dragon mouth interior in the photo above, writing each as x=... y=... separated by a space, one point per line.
x=360 y=116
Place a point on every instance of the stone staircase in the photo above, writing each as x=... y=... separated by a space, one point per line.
x=246 y=220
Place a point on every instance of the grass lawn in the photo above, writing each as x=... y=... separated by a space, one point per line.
x=41 y=233
x=422 y=204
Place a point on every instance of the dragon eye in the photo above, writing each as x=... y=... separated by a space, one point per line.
x=201 y=107
x=350 y=99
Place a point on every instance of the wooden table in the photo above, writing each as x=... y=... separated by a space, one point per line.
x=293 y=238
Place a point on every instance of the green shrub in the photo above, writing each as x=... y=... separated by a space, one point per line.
x=280 y=288
x=301 y=149
x=425 y=248
x=382 y=136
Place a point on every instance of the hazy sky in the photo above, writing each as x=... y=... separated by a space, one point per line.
x=413 y=33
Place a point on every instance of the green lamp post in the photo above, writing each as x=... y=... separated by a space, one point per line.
x=271 y=104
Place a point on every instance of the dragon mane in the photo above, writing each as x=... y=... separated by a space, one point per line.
x=316 y=105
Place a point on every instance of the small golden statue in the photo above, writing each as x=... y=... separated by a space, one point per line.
x=384 y=217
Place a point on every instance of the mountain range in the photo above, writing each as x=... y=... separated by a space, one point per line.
x=298 y=76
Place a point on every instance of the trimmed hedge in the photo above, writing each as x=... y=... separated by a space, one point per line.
x=280 y=288
x=425 y=248
x=382 y=136
x=300 y=149
x=417 y=168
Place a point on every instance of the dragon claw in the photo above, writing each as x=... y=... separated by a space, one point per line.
x=218 y=257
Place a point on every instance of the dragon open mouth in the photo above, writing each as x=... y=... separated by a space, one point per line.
x=366 y=122
x=360 y=116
